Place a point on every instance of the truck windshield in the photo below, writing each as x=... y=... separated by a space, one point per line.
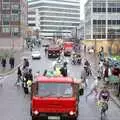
x=55 y=90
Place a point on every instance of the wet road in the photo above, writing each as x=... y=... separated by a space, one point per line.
x=15 y=106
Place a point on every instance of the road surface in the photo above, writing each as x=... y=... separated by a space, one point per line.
x=15 y=106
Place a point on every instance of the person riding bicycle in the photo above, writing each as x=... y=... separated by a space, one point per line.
x=87 y=68
x=103 y=100
x=87 y=63
x=104 y=94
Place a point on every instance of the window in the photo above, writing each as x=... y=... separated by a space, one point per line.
x=103 y=9
x=94 y=9
x=32 y=24
x=118 y=22
x=103 y=22
x=114 y=10
x=6 y=6
x=15 y=18
x=15 y=6
x=5 y=29
x=118 y=9
x=15 y=11
x=94 y=21
x=114 y=22
x=55 y=90
x=109 y=10
x=99 y=10
x=109 y=22
x=6 y=0
x=99 y=21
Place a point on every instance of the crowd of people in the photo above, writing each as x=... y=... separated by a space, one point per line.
x=25 y=76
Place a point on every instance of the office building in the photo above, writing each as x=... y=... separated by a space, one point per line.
x=56 y=17
x=13 y=21
x=102 y=19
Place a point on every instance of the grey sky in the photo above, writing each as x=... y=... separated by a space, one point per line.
x=82 y=2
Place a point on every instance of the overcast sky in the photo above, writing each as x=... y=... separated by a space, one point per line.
x=82 y=2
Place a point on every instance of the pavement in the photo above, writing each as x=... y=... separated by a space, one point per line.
x=19 y=56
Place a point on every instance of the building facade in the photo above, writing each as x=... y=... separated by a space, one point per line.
x=81 y=30
x=13 y=21
x=102 y=19
x=56 y=17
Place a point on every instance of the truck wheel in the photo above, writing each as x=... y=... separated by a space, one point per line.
x=34 y=118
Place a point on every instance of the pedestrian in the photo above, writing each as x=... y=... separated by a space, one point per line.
x=3 y=62
x=25 y=86
x=30 y=75
x=106 y=74
x=12 y=62
x=94 y=87
x=84 y=77
x=46 y=50
x=19 y=75
x=84 y=48
x=63 y=70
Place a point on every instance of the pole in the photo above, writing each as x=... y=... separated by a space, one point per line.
x=76 y=34
x=95 y=43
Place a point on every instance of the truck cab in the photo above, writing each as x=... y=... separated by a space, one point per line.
x=68 y=48
x=54 y=98
x=54 y=51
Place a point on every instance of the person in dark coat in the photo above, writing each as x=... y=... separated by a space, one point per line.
x=30 y=75
x=3 y=62
x=63 y=70
x=12 y=62
x=19 y=76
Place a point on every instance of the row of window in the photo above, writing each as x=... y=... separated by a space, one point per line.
x=8 y=29
x=59 y=23
x=55 y=5
x=10 y=1
x=59 y=14
x=31 y=18
x=56 y=28
x=8 y=6
x=103 y=36
x=8 y=18
x=59 y=19
x=113 y=10
x=58 y=10
x=110 y=22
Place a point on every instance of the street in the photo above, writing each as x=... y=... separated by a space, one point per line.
x=15 y=106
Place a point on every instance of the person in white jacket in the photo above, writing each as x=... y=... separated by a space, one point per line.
x=94 y=87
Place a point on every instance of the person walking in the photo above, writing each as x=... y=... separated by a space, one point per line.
x=19 y=75
x=12 y=62
x=63 y=70
x=94 y=87
x=3 y=62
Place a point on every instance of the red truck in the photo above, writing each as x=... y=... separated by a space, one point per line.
x=68 y=48
x=54 y=98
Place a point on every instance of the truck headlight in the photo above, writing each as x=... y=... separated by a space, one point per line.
x=36 y=112
x=71 y=113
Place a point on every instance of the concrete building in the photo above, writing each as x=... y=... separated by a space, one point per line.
x=81 y=30
x=102 y=19
x=13 y=22
x=56 y=17
x=33 y=19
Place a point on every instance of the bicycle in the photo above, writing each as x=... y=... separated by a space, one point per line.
x=104 y=107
